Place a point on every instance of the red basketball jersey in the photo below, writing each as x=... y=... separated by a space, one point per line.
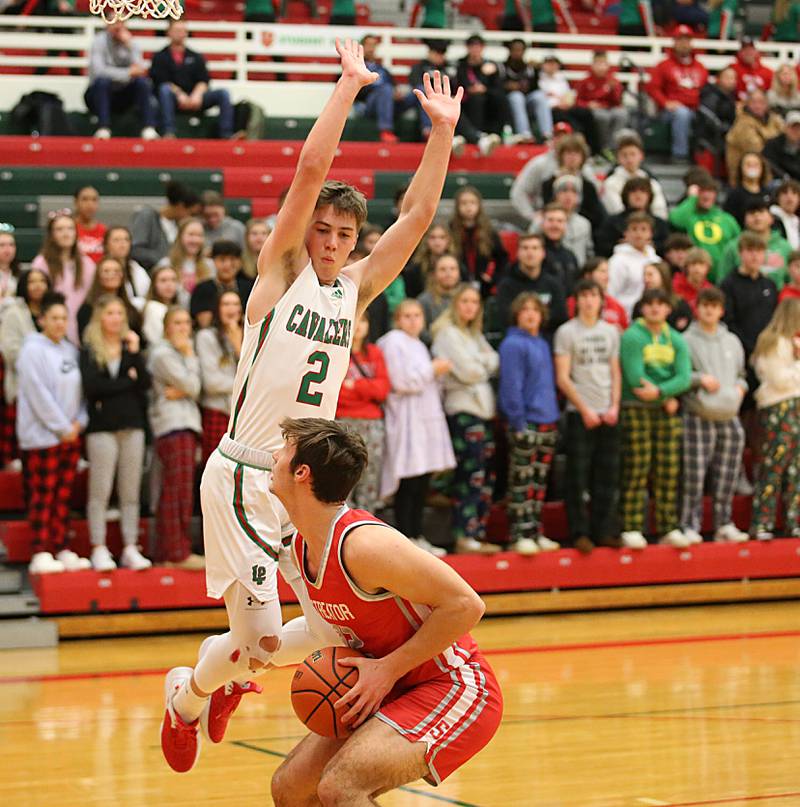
x=375 y=624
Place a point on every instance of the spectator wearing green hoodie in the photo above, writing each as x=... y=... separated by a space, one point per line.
x=656 y=368
x=759 y=220
x=707 y=224
x=713 y=437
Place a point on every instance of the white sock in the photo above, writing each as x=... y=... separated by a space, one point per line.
x=187 y=704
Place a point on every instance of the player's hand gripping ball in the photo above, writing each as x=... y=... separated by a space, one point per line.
x=318 y=684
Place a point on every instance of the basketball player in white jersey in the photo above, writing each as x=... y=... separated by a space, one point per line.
x=298 y=331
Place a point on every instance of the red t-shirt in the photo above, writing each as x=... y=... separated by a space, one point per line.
x=682 y=287
x=613 y=313
x=90 y=240
x=370 y=388
x=788 y=292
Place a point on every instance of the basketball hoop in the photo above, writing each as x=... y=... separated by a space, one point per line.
x=120 y=10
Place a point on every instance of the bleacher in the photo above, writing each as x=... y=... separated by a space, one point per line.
x=40 y=174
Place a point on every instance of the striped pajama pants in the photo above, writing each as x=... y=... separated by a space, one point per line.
x=531 y=455
x=713 y=448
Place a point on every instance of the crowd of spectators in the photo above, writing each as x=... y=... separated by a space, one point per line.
x=647 y=343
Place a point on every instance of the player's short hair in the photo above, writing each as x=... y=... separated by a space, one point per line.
x=699 y=255
x=336 y=455
x=529 y=298
x=711 y=296
x=751 y=240
x=343 y=198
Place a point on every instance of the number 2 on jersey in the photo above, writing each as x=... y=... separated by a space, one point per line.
x=314 y=377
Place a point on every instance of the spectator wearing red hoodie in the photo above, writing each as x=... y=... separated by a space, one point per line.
x=675 y=86
x=694 y=278
x=750 y=73
x=601 y=93
x=361 y=397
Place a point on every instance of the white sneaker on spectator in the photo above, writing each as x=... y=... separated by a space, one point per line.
x=488 y=143
x=149 y=133
x=72 y=561
x=15 y=465
x=83 y=465
x=132 y=558
x=547 y=545
x=731 y=534
x=423 y=543
x=459 y=143
x=525 y=546
x=763 y=535
x=471 y=546
x=102 y=560
x=693 y=536
x=743 y=486
x=103 y=133
x=633 y=539
x=675 y=538
x=44 y=563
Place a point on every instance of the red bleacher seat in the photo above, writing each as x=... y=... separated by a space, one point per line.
x=245 y=182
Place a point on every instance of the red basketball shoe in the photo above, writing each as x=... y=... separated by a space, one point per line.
x=221 y=706
x=179 y=741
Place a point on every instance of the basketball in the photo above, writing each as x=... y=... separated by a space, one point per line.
x=318 y=684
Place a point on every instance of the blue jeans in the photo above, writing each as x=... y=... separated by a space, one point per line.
x=380 y=105
x=680 y=120
x=211 y=98
x=103 y=97
x=538 y=104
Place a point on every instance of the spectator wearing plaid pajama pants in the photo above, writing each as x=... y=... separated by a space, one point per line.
x=528 y=400
x=656 y=368
x=777 y=364
x=176 y=425
x=713 y=437
x=50 y=418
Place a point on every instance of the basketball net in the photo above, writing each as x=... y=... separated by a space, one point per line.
x=120 y=10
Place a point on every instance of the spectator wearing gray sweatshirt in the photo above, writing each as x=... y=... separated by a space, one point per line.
x=118 y=81
x=713 y=437
x=50 y=417
x=175 y=422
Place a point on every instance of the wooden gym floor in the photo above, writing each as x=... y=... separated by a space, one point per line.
x=690 y=706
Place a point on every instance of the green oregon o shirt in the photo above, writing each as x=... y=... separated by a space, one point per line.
x=540 y=11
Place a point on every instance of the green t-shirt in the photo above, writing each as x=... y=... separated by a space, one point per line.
x=343 y=8
x=541 y=11
x=664 y=360
x=259 y=7
x=778 y=250
x=711 y=229
x=789 y=29
x=715 y=18
x=395 y=293
x=433 y=14
x=629 y=13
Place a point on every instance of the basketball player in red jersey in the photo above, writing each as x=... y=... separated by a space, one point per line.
x=426 y=700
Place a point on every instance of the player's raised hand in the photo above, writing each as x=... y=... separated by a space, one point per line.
x=436 y=100
x=353 y=65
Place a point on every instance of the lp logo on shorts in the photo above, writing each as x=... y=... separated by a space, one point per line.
x=259 y=575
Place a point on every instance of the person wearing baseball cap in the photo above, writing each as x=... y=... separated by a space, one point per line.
x=750 y=73
x=783 y=151
x=675 y=86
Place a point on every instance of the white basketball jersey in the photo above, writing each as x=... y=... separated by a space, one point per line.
x=294 y=361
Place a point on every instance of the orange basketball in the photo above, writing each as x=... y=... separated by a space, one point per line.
x=318 y=684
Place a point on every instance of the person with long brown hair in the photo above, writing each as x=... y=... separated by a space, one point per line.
x=117 y=243
x=256 y=232
x=750 y=184
x=436 y=242
x=115 y=381
x=165 y=291
x=776 y=360
x=71 y=272
x=186 y=255
x=475 y=241
x=108 y=279
x=218 y=348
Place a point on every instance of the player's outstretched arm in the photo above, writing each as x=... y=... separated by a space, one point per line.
x=380 y=559
x=284 y=253
x=421 y=200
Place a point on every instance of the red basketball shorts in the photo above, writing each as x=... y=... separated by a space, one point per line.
x=454 y=714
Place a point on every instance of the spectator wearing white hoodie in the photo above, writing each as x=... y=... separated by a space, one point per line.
x=786 y=211
x=776 y=359
x=626 y=266
x=630 y=157
x=713 y=437
x=50 y=417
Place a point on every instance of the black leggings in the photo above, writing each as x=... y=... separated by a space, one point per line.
x=409 y=502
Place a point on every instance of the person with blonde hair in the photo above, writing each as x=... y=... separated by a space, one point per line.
x=115 y=382
x=417 y=440
x=784 y=94
x=256 y=232
x=439 y=289
x=469 y=404
x=187 y=255
x=109 y=278
x=776 y=360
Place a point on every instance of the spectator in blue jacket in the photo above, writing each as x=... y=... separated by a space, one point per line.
x=528 y=400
